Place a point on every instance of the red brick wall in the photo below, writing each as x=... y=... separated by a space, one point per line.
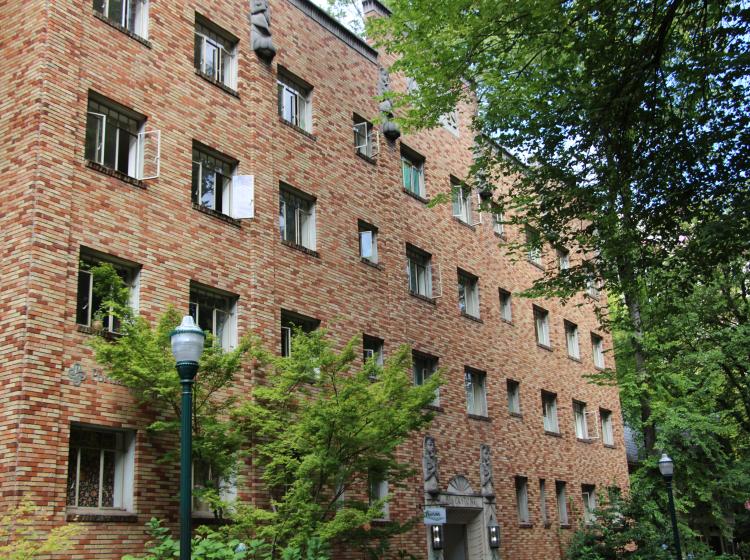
x=75 y=206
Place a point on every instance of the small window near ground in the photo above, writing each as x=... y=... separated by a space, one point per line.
x=128 y=14
x=562 y=503
x=216 y=313
x=549 y=412
x=579 y=417
x=506 y=309
x=368 y=242
x=468 y=294
x=588 y=495
x=419 y=269
x=215 y=53
x=608 y=436
x=294 y=100
x=423 y=367
x=290 y=324
x=571 y=337
x=597 y=350
x=412 y=172
x=541 y=326
x=514 y=396
x=522 y=499
x=476 y=392
x=297 y=218
x=100 y=469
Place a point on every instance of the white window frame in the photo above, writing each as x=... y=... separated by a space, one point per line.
x=132 y=281
x=372 y=353
x=513 y=389
x=549 y=412
x=562 y=503
x=414 y=169
x=498 y=225
x=475 y=383
x=124 y=470
x=227 y=490
x=225 y=59
x=534 y=254
x=305 y=234
x=506 y=305
x=597 y=350
x=588 y=496
x=468 y=303
x=140 y=21
x=522 y=499
x=541 y=326
x=571 y=339
x=419 y=272
x=580 y=420
x=463 y=206
x=366 y=138
x=295 y=103
x=228 y=336
x=368 y=242
x=608 y=435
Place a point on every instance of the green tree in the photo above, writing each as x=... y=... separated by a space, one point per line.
x=22 y=539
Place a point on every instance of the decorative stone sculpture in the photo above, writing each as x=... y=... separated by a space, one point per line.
x=390 y=128
x=260 y=21
x=485 y=471
x=430 y=466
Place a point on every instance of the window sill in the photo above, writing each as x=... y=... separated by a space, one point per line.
x=107 y=335
x=479 y=417
x=371 y=264
x=546 y=524
x=609 y=446
x=525 y=525
x=368 y=159
x=584 y=440
x=116 y=174
x=536 y=264
x=218 y=215
x=471 y=317
x=465 y=224
x=414 y=195
x=112 y=23
x=434 y=407
x=599 y=368
x=208 y=518
x=574 y=359
x=423 y=298
x=544 y=346
x=507 y=321
x=552 y=434
x=300 y=248
x=515 y=414
x=78 y=515
x=592 y=297
x=218 y=84
x=565 y=526
x=302 y=131
x=500 y=236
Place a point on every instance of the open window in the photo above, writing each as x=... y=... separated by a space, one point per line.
x=534 y=246
x=297 y=217
x=117 y=138
x=412 y=171
x=366 y=138
x=465 y=204
x=131 y=15
x=541 y=326
x=506 y=305
x=597 y=350
x=549 y=412
x=215 y=311
x=588 y=496
x=368 y=242
x=372 y=349
x=217 y=186
x=424 y=366
x=608 y=434
x=215 y=53
x=571 y=338
x=468 y=294
x=292 y=322
x=420 y=270
x=294 y=100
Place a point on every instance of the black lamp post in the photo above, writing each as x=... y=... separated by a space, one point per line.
x=187 y=347
x=666 y=467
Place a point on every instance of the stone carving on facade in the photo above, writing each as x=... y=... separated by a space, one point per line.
x=485 y=471
x=76 y=374
x=260 y=21
x=390 y=128
x=430 y=466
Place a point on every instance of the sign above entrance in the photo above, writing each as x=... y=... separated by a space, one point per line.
x=434 y=516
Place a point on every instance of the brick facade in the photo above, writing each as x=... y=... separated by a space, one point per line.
x=54 y=54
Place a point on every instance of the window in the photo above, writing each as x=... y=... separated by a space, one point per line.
x=549 y=412
x=514 y=396
x=100 y=468
x=116 y=138
x=597 y=350
x=543 y=501
x=216 y=313
x=372 y=349
x=541 y=325
x=212 y=180
x=522 y=499
x=412 y=172
x=608 y=436
x=365 y=137
x=563 y=259
x=468 y=294
x=379 y=491
x=498 y=219
x=476 y=392
x=462 y=202
x=419 y=269
x=297 y=218
x=204 y=478
x=129 y=14
x=571 y=337
x=295 y=106
x=215 y=53
x=368 y=242
x=95 y=288
x=588 y=494
x=506 y=309
x=562 y=503
x=533 y=243
x=289 y=323
x=424 y=366
x=579 y=417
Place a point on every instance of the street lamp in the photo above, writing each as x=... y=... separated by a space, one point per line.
x=187 y=347
x=666 y=467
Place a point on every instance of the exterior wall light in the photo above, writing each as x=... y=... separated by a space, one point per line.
x=494 y=536
x=436 y=536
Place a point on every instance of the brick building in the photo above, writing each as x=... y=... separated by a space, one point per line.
x=230 y=167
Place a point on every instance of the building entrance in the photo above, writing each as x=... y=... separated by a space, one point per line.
x=463 y=534
x=455 y=542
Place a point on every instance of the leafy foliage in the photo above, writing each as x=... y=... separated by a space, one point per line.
x=21 y=538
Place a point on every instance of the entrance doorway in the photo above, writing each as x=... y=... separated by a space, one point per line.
x=463 y=534
x=455 y=542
